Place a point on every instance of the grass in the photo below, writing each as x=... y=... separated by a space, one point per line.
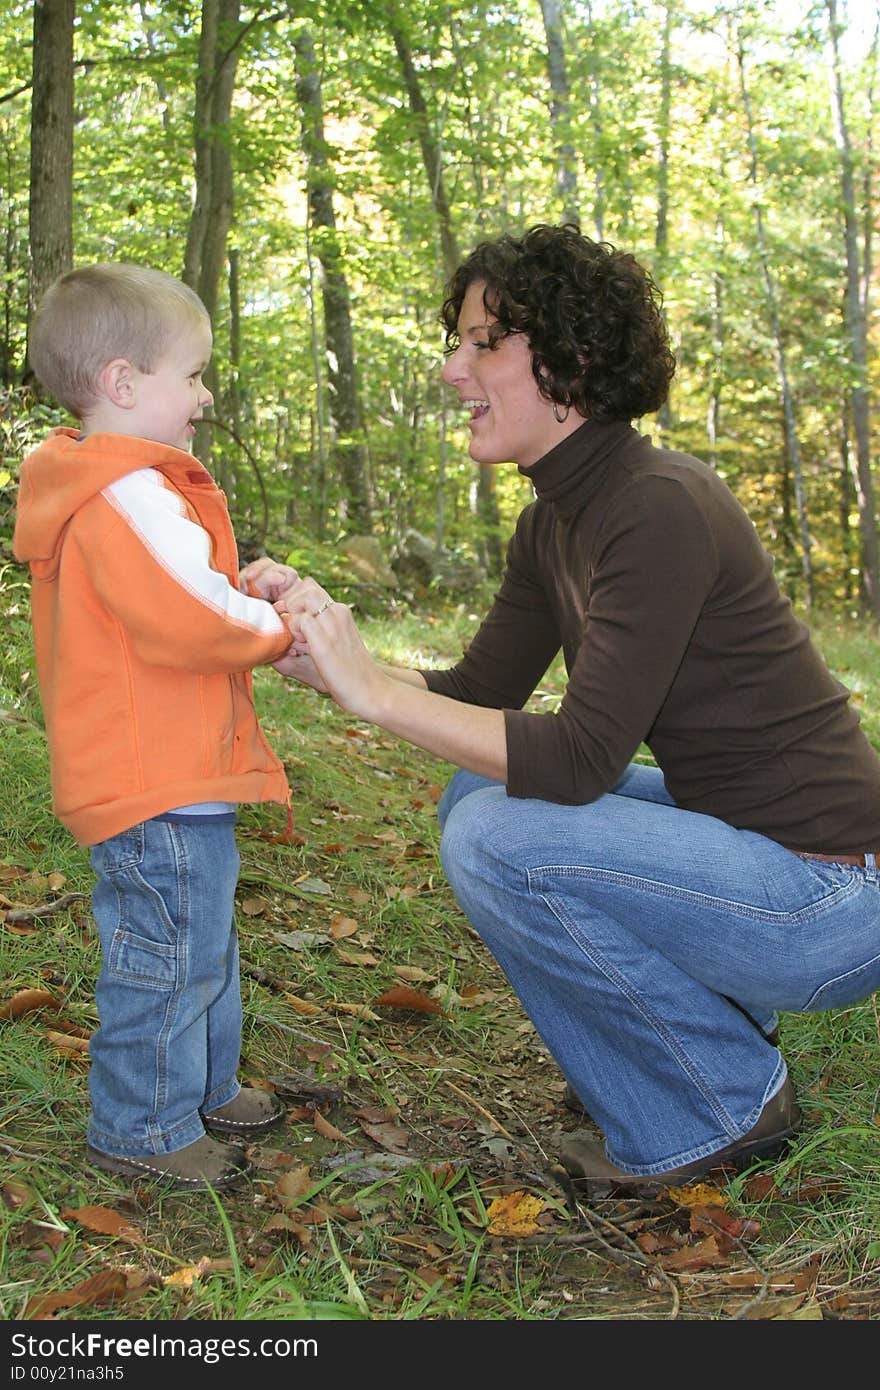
x=375 y=1202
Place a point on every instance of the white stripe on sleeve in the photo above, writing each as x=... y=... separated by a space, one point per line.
x=183 y=548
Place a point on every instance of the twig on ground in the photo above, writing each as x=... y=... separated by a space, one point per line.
x=27 y=914
x=496 y=1124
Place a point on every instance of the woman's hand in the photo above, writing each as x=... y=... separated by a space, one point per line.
x=328 y=652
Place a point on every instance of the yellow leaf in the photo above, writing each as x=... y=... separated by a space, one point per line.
x=698 y=1194
x=514 y=1214
x=301 y=1006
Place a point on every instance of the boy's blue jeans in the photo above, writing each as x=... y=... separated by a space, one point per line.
x=168 y=995
x=646 y=942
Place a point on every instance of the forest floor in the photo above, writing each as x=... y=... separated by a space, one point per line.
x=415 y=1177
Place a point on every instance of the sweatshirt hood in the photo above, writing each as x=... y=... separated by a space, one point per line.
x=65 y=472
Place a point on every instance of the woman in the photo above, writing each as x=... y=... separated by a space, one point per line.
x=651 y=919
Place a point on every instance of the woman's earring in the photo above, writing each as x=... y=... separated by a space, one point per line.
x=560 y=419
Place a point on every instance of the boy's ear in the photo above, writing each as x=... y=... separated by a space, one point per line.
x=116 y=382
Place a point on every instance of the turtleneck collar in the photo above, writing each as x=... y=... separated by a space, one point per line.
x=573 y=470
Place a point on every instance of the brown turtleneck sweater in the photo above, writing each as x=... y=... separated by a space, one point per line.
x=641 y=565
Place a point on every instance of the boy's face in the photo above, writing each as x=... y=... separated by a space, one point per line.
x=173 y=396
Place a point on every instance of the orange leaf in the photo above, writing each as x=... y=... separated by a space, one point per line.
x=301 y=1006
x=107 y=1286
x=514 y=1214
x=402 y=998
x=704 y=1255
x=342 y=926
x=324 y=1127
x=105 y=1221
x=65 y=1043
x=697 y=1194
x=28 y=1001
x=186 y=1276
x=294 y=1184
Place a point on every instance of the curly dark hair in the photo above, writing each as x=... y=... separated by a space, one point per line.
x=591 y=314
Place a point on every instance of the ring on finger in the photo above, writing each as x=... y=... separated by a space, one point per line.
x=328 y=603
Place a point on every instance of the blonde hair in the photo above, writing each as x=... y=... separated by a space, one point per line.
x=90 y=316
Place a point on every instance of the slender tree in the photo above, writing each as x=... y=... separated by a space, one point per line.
x=51 y=183
x=341 y=370
x=560 y=110
x=856 y=319
x=792 y=441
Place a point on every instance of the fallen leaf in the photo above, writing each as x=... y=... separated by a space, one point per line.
x=729 y=1228
x=15 y=1194
x=288 y=1225
x=326 y=1129
x=342 y=926
x=377 y=1114
x=107 y=1286
x=414 y=973
x=105 y=1221
x=299 y=940
x=514 y=1214
x=705 y=1254
x=356 y=958
x=356 y=1010
x=55 y=881
x=301 y=1006
x=185 y=1277
x=313 y=886
x=28 y=1001
x=698 y=1194
x=254 y=907
x=769 y=1309
x=293 y=1185
x=10 y=872
x=400 y=997
x=391 y=1137
x=64 y=1042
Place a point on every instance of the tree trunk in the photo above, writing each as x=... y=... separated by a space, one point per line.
x=51 y=184
x=486 y=500
x=211 y=217
x=341 y=372
x=595 y=107
x=792 y=442
x=856 y=317
x=661 y=227
x=560 y=111
x=431 y=156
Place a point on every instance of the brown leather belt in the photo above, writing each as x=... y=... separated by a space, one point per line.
x=832 y=858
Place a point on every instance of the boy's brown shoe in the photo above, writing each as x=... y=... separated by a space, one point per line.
x=585 y=1162
x=250 y=1113
x=203 y=1164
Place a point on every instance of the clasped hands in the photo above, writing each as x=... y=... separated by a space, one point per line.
x=326 y=650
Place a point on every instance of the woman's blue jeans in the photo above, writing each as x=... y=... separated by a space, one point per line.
x=168 y=994
x=651 y=946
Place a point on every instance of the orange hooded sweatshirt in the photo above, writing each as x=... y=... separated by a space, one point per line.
x=144 y=641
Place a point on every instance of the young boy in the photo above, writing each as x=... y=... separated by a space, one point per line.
x=144 y=645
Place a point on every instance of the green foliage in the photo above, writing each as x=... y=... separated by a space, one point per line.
x=482 y=73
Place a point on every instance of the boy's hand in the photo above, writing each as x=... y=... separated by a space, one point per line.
x=266 y=578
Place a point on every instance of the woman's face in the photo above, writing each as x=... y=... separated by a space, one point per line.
x=510 y=421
